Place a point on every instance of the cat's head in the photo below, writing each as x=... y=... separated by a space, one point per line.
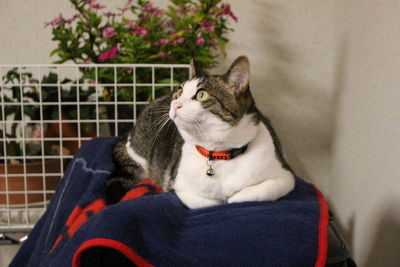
x=208 y=108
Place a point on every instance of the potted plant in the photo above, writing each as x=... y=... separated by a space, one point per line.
x=140 y=32
x=13 y=150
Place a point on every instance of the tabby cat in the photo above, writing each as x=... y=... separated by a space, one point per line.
x=207 y=141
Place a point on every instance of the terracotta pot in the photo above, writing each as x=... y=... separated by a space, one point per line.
x=68 y=130
x=34 y=183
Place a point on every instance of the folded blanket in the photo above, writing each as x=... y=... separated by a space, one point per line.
x=150 y=228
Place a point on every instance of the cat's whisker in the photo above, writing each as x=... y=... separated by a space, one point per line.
x=157 y=123
x=158 y=133
x=153 y=127
x=160 y=121
x=196 y=128
x=160 y=111
x=161 y=108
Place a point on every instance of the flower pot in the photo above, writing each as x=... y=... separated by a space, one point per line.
x=69 y=130
x=33 y=183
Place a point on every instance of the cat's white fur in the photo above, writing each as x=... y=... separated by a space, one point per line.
x=256 y=175
x=136 y=157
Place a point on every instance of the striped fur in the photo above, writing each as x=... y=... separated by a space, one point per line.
x=153 y=149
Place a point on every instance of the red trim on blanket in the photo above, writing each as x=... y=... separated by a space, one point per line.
x=59 y=237
x=323 y=230
x=136 y=192
x=80 y=219
x=74 y=215
x=109 y=243
x=141 y=190
x=156 y=187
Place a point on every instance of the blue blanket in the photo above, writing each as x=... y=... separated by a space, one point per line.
x=155 y=229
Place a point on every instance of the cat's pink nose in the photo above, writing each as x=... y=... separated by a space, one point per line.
x=177 y=106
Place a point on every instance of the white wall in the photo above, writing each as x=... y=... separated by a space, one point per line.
x=325 y=72
x=290 y=47
x=365 y=182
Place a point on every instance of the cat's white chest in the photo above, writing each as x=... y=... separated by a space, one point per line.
x=249 y=171
x=192 y=174
x=229 y=175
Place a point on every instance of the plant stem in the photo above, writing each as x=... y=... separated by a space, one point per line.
x=92 y=38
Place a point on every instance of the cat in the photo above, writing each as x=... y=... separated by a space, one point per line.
x=207 y=141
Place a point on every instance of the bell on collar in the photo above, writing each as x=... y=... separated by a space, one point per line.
x=210 y=171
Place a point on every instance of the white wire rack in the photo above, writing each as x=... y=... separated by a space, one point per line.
x=48 y=111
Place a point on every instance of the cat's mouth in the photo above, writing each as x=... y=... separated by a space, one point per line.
x=180 y=121
x=184 y=123
x=190 y=123
x=173 y=114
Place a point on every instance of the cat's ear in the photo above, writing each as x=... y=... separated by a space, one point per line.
x=238 y=75
x=197 y=69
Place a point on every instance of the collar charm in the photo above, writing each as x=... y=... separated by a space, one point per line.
x=210 y=171
x=222 y=155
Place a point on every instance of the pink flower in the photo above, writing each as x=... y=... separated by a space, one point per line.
x=149 y=8
x=129 y=70
x=130 y=25
x=94 y=5
x=126 y=7
x=97 y=6
x=207 y=25
x=141 y=31
x=157 y=12
x=37 y=133
x=109 y=54
x=72 y=19
x=212 y=42
x=200 y=40
x=113 y=52
x=179 y=40
x=227 y=11
x=109 y=14
x=103 y=57
x=170 y=23
x=55 y=22
x=163 y=41
x=109 y=32
x=182 y=10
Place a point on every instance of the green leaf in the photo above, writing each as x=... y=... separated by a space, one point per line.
x=222 y=45
x=60 y=61
x=153 y=56
x=181 y=2
x=198 y=17
x=172 y=12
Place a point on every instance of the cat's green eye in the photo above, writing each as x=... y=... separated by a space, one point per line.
x=178 y=93
x=202 y=95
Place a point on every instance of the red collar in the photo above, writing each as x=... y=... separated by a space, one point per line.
x=224 y=155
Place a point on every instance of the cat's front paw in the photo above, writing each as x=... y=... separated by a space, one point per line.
x=268 y=190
